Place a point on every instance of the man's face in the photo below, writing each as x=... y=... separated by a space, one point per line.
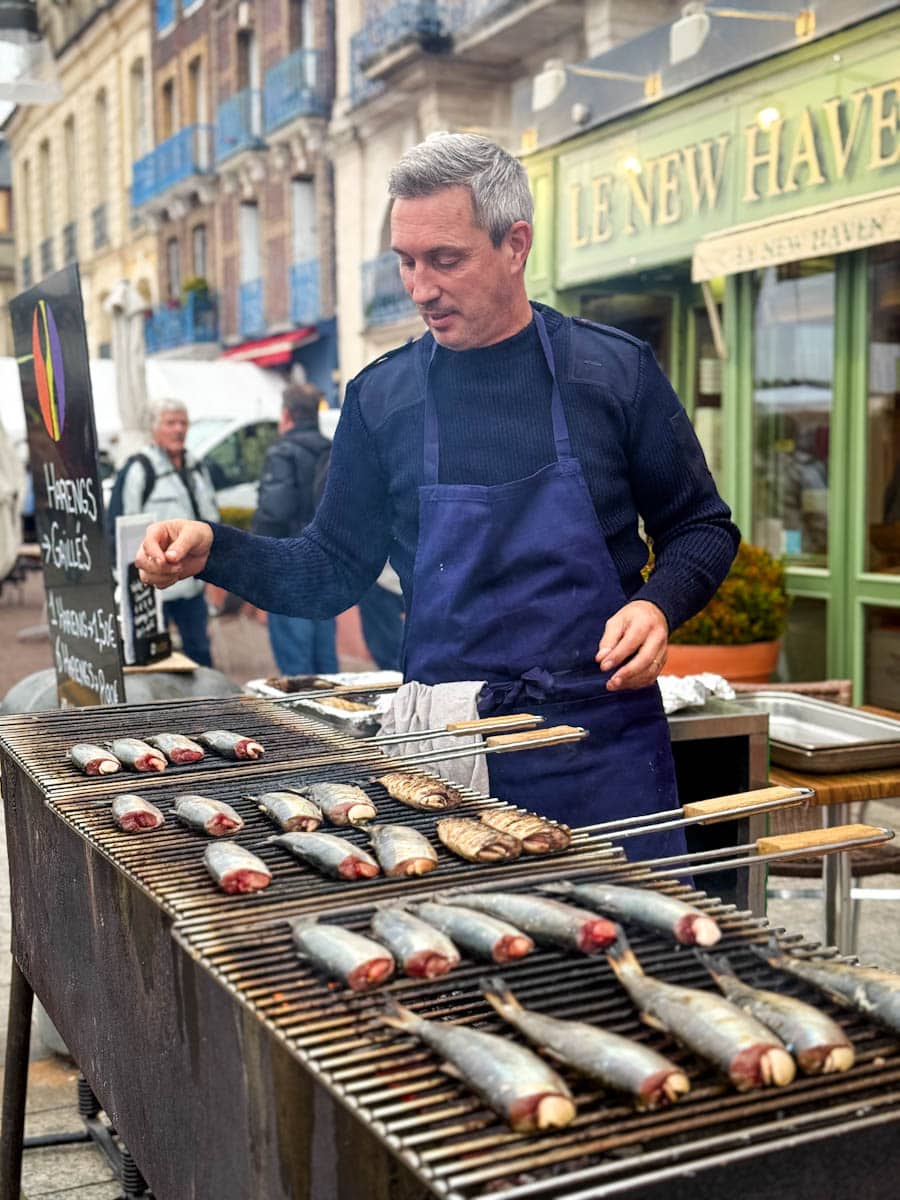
x=170 y=431
x=469 y=292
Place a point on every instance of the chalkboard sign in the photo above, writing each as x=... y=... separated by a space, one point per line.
x=150 y=644
x=52 y=355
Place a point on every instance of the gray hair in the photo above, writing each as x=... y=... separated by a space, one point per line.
x=497 y=181
x=166 y=404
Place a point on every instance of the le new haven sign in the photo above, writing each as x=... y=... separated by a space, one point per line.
x=821 y=135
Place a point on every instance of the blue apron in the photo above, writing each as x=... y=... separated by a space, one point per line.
x=513 y=583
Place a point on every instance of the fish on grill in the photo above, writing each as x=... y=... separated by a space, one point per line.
x=214 y=817
x=235 y=869
x=289 y=810
x=330 y=854
x=402 y=851
x=510 y=1078
x=342 y=803
x=421 y=950
x=136 y=754
x=483 y=936
x=134 y=814
x=816 y=1041
x=749 y=1053
x=419 y=791
x=548 y=921
x=93 y=760
x=870 y=990
x=644 y=906
x=360 y=962
x=537 y=834
x=617 y=1062
x=230 y=745
x=477 y=842
x=177 y=748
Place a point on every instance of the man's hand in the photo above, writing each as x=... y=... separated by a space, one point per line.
x=639 y=633
x=173 y=550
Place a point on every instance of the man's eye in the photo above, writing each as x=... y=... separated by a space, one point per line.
x=446 y=261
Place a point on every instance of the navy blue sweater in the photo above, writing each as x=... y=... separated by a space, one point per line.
x=636 y=447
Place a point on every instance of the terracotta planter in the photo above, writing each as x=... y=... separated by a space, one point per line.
x=753 y=663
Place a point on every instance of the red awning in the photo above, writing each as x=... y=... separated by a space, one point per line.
x=274 y=351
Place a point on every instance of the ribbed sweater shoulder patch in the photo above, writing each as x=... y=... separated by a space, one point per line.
x=604 y=356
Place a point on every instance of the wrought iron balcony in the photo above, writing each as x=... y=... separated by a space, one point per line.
x=165 y=15
x=183 y=156
x=27 y=279
x=70 y=242
x=295 y=87
x=389 y=29
x=251 y=318
x=171 y=326
x=98 y=221
x=384 y=297
x=306 y=304
x=46 y=249
x=239 y=123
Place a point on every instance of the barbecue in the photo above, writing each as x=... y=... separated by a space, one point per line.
x=235 y=1069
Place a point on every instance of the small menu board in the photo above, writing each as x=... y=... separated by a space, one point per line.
x=52 y=355
x=144 y=638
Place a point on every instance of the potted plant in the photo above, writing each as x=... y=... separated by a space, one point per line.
x=738 y=634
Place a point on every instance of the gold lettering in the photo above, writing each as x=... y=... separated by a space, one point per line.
x=668 y=196
x=577 y=239
x=758 y=158
x=706 y=183
x=804 y=152
x=842 y=148
x=884 y=123
x=639 y=198
x=601 y=226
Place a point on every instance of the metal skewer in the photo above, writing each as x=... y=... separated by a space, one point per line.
x=556 y=735
x=340 y=689
x=719 y=808
x=462 y=729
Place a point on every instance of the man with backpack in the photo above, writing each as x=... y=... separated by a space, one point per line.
x=292 y=483
x=166 y=481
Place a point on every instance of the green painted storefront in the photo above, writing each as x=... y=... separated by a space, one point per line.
x=750 y=230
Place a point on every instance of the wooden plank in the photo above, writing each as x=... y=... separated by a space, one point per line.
x=844 y=788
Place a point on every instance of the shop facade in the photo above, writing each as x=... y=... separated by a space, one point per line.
x=750 y=231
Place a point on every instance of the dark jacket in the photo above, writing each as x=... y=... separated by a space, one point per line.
x=288 y=487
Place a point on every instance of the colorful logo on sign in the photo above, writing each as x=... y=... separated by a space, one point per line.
x=48 y=370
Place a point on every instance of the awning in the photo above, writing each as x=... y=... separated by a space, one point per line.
x=274 y=351
x=810 y=233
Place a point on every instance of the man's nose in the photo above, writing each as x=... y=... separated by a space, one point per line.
x=423 y=285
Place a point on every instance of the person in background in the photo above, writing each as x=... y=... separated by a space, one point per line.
x=381 y=615
x=166 y=482
x=290 y=488
x=503 y=462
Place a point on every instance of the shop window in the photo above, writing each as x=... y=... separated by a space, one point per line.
x=883 y=468
x=803 y=653
x=198 y=251
x=793 y=358
x=882 y=685
x=708 y=393
x=173 y=269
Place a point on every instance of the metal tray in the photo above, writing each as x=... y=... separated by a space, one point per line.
x=821 y=737
x=358 y=724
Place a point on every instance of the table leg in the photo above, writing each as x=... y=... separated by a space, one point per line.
x=15 y=1083
x=836 y=878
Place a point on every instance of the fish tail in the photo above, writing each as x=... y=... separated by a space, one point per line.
x=717 y=964
x=621 y=957
x=771 y=952
x=497 y=993
x=445 y=896
x=396 y=1016
x=559 y=887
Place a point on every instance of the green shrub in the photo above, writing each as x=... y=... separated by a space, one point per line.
x=751 y=604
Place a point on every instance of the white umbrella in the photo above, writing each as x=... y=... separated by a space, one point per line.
x=126 y=307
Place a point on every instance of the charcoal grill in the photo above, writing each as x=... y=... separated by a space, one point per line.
x=234 y=1071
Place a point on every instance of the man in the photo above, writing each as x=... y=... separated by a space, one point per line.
x=289 y=491
x=168 y=483
x=503 y=461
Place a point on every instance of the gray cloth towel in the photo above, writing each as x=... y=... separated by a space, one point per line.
x=420 y=706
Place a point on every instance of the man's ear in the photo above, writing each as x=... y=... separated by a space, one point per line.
x=519 y=239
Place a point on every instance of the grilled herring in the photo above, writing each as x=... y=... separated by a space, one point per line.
x=548 y=921
x=214 y=817
x=360 y=962
x=510 y=1078
x=133 y=753
x=94 y=760
x=330 y=854
x=483 y=936
x=476 y=842
x=235 y=869
x=618 y=1062
x=177 y=748
x=134 y=814
x=230 y=745
x=869 y=990
x=421 y=950
x=402 y=851
x=817 y=1042
x=537 y=834
x=736 y=1042
x=645 y=906
x=290 y=811
x=419 y=791
x=342 y=803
